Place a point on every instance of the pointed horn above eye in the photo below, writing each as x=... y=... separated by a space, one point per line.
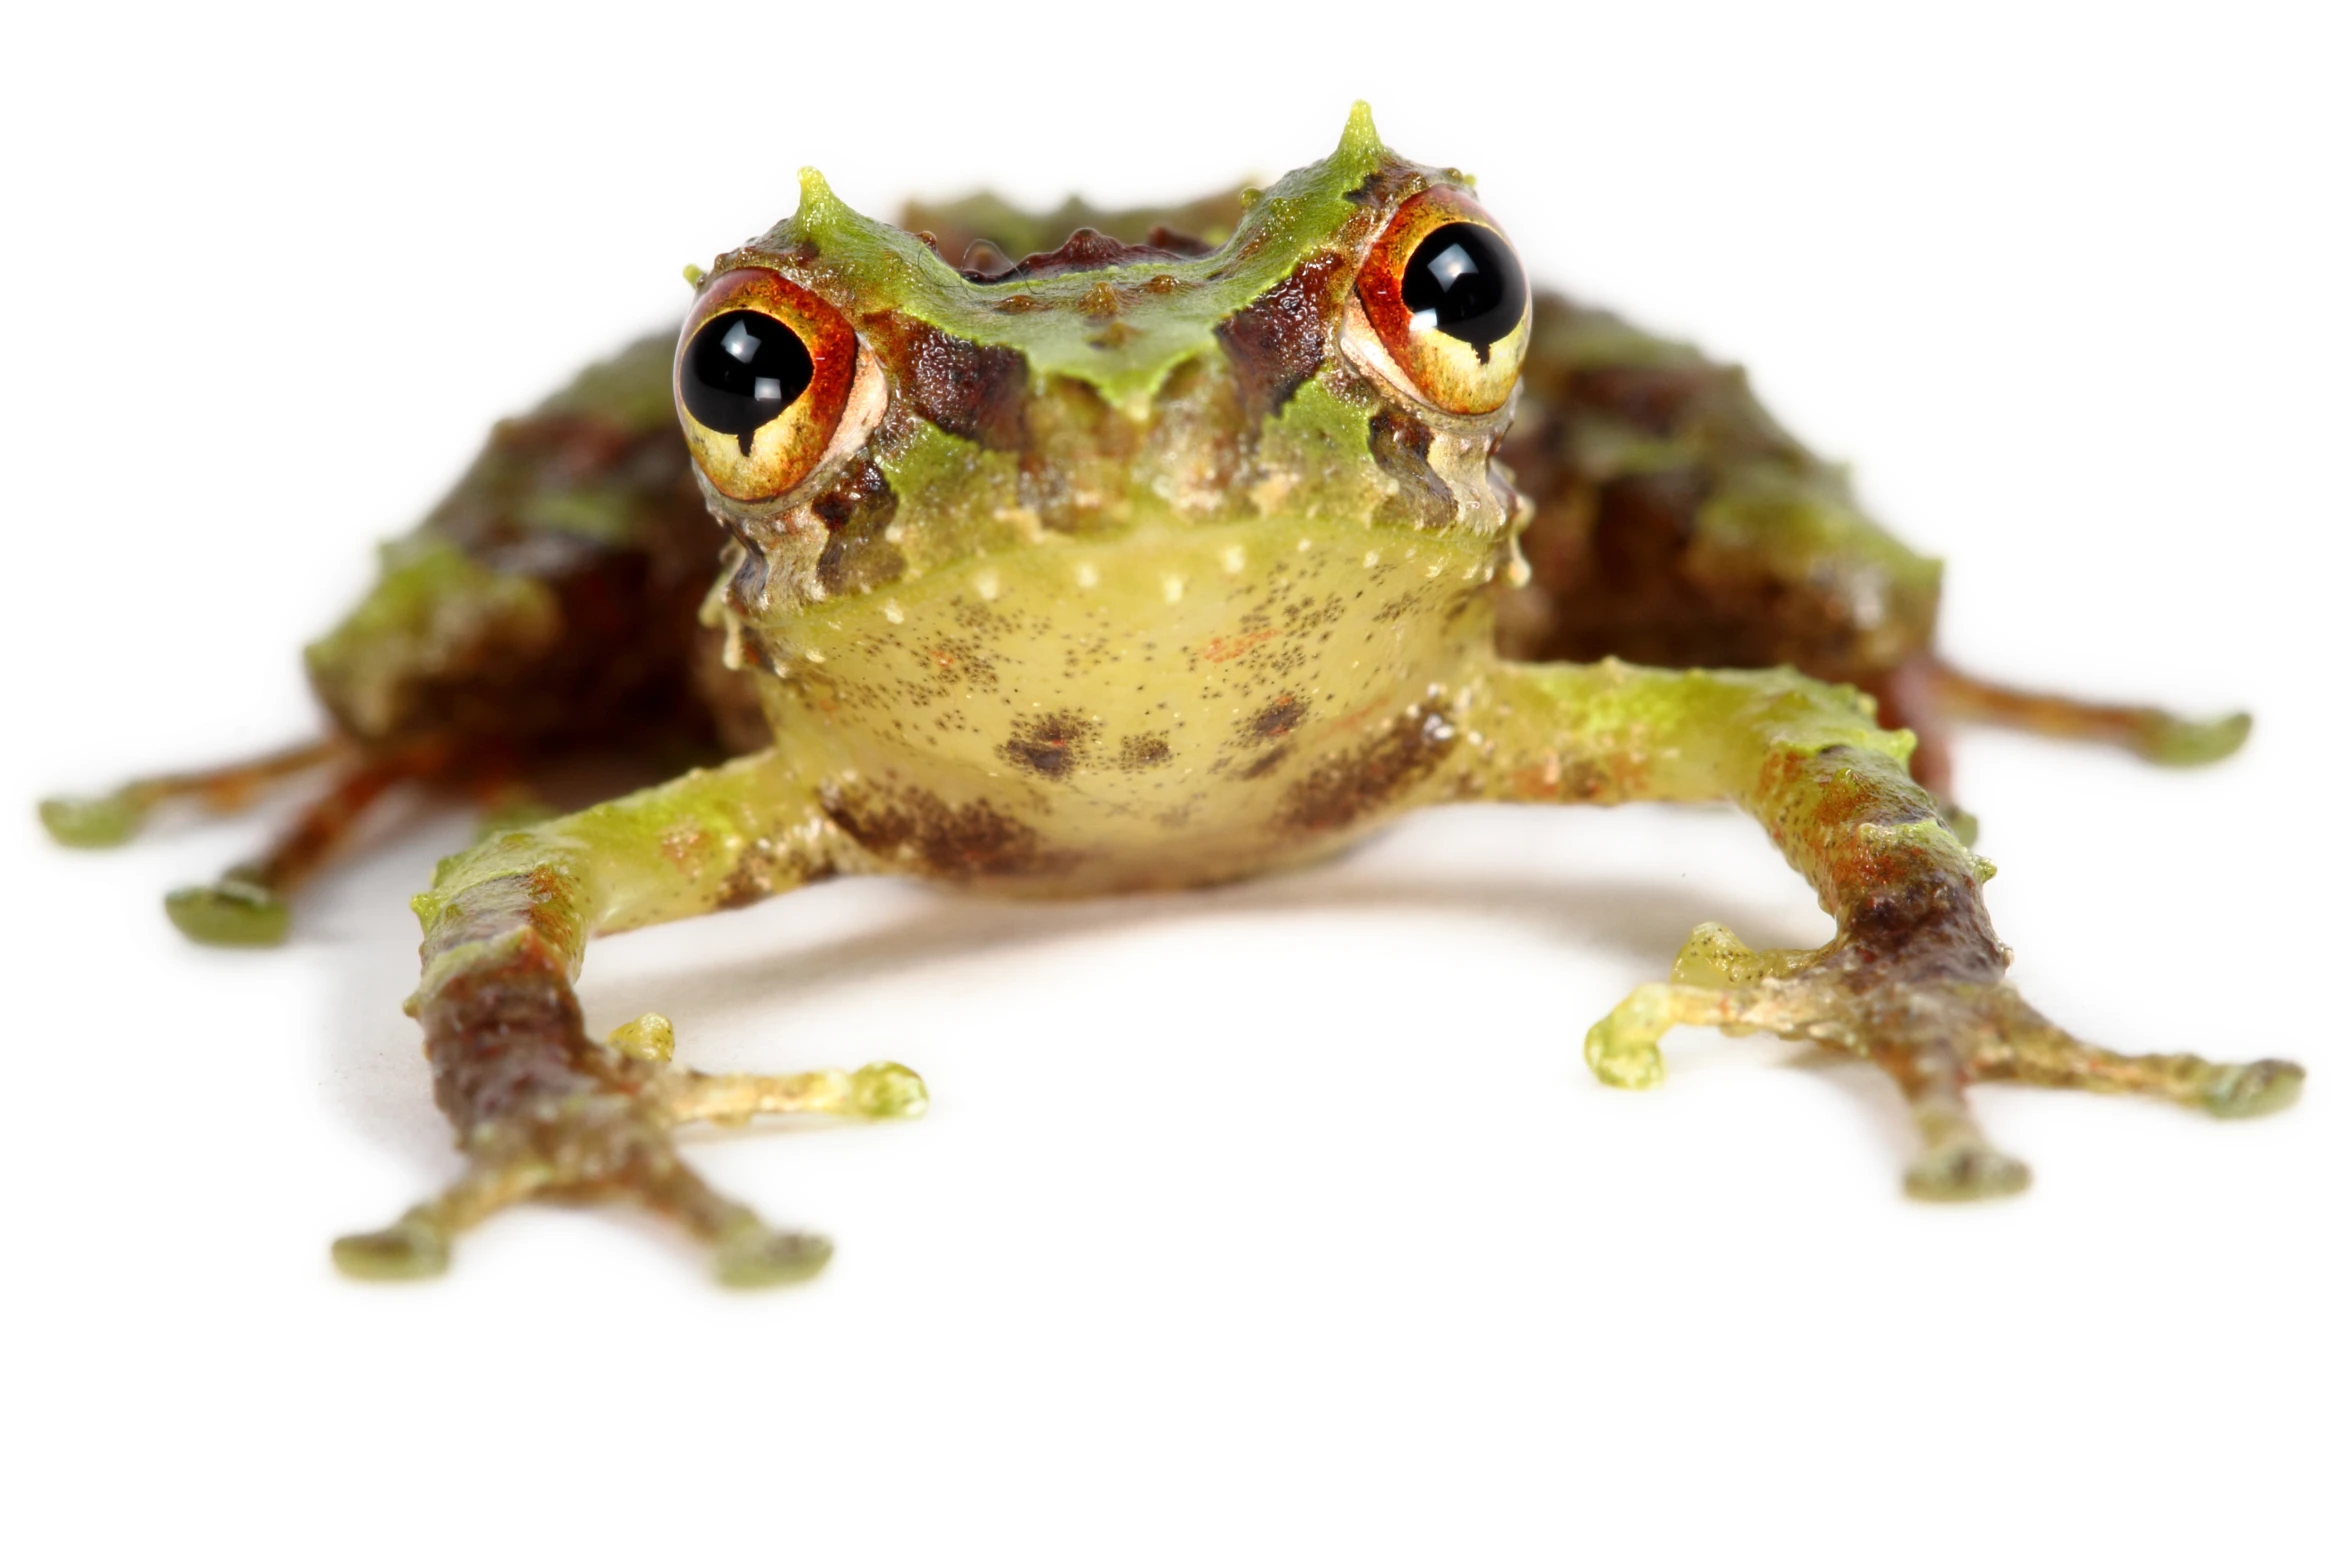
x=815 y=194
x=1361 y=137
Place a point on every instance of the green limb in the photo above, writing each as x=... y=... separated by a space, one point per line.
x=1915 y=978
x=540 y=1109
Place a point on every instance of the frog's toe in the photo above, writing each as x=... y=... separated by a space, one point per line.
x=414 y=1248
x=2171 y=741
x=752 y=1256
x=2253 y=1088
x=231 y=912
x=99 y=821
x=1964 y=1172
x=887 y=1091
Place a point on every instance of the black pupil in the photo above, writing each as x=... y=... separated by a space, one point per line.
x=743 y=369
x=1464 y=282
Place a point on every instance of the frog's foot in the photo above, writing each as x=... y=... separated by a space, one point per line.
x=2158 y=735
x=1933 y=1027
x=610 y=1141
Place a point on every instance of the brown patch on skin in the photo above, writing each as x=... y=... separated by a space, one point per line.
x=1137 y=752
x=1266 y=763
x=763 y=869
x=503 y=1038
x=1282 y=338
x=1346 y=789
x=1387 y=186
x=965 y=389
x=1652 y=399
x=1276 y=720
x=1053 y=746
x=1621 y=564
x=539 y=902
x=916 y=828
x=1088 y=250
x=856 y=512
x=1907 y=907
x=1399 y=445
x=1175 y=242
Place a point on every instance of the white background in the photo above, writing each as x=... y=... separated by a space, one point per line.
x=1275 y=1224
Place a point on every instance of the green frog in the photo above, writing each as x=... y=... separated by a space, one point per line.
x=1192 y=544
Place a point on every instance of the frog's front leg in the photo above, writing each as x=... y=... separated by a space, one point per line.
x=540 y=1108
x=1915 y=977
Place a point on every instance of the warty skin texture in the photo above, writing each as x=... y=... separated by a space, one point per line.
x=1141 y=566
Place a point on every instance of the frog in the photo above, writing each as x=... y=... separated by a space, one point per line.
x=1195 y=544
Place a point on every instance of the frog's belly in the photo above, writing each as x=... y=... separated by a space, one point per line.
x=1139 y=712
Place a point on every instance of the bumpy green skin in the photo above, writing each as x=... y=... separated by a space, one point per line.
x=1153 y=570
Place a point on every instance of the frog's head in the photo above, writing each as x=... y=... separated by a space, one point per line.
x=861 y=413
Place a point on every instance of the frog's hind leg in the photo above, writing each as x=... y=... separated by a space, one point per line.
x=247 y=907
x=2154 y=733
x=103 y=821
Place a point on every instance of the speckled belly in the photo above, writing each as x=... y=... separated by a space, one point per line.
x=1138 y=712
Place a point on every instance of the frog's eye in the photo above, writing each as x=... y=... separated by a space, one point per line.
x=763 y=371
x=1446 y=295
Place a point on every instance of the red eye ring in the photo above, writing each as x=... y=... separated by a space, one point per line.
x=762 y=376
x=1448 y=298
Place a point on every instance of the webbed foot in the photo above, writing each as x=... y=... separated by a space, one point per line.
x=1934 y=1022
x=605 y=1137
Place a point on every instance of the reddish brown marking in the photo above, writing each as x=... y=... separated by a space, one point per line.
x=964 y=842
x=1346 y=789
x=964 y=388
x=1088 y=250
x=1276 y=720
x=1222 y=650
x=1282 y=338
x=1267 y=763
x=328 y=820
x=760 y=872
x=1052 y=746
x=504 y=1039
x=857 y=511
x=1652 y=399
